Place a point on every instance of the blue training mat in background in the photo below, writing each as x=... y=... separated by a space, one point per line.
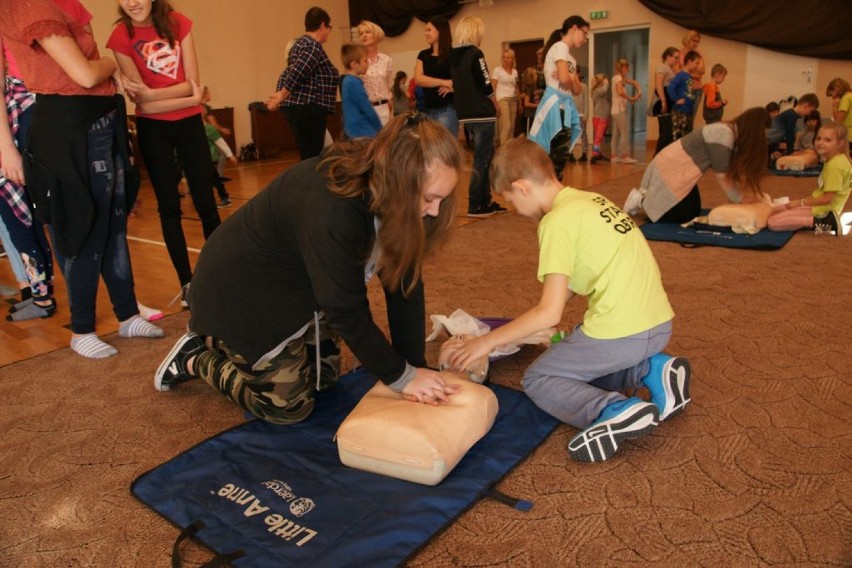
x=279 y=496
x=710 y=235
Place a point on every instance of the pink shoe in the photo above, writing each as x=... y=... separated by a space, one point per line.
x=149 y=314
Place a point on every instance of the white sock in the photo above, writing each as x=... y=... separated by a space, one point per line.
x=138 y=327
x=90 y=345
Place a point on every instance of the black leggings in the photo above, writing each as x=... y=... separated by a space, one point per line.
x=159 y=142
x=686 y=210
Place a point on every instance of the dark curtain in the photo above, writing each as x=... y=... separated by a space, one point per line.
x=821 y=28
x=394 y=16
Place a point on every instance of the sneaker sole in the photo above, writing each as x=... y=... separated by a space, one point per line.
x=602 y=441
x=164 y=366
x=676 y=376
x=481 y=215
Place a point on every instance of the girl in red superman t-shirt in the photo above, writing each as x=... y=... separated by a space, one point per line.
x=155 y=52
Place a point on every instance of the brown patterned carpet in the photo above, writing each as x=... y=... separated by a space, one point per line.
x=757 y=472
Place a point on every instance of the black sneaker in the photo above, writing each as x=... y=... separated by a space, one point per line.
x=172 y=370
x=496 y=207
x=828 y=225
x=583 y=158
x=572 y=159
x=481 y=212
x=224 y=203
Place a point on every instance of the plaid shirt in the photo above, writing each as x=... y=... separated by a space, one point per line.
x=18 y=100
x=310 y=77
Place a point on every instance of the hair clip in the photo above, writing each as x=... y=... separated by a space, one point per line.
x=415 y=118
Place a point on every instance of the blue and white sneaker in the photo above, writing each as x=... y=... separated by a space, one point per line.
x=668 y=382
x=620 y=421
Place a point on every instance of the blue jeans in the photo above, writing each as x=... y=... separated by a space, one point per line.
x=575 y=379
x=105 y=251
x=482 y=138
x=445 y=116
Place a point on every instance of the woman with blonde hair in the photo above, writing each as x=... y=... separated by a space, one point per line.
x=378 y=81
x=504 y=79
x=308 y=244
x=477 y=110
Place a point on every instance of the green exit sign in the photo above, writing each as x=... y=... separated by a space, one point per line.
x=599 y=15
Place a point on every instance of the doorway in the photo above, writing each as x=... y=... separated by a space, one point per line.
x=631 y=44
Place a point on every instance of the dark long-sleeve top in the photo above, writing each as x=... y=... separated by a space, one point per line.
x=471 y=85
x=295 y=249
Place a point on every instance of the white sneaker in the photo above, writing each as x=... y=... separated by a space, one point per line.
x=629 y=160
x=633 y=203
x=616 y=160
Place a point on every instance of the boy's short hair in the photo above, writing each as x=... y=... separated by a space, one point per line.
x=773 y=107
x=809 y=99
x=516 y=159
x=691 y=56
x=718 y=68
x=351 y=53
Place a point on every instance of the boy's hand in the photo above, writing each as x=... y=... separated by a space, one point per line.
x=469 y=352
x=428 y=387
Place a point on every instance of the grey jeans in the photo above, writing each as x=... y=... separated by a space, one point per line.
x=575 y=379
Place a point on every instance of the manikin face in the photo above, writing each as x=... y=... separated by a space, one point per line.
x=827 y=144
x=139 y=11
x=441 y=180
x=432 y=34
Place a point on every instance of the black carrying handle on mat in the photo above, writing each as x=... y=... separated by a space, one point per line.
x=218 y=561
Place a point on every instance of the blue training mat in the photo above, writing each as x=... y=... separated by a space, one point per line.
x=710 y=235
x=279 y=496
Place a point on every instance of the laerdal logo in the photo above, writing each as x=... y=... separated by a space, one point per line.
x=298 y=505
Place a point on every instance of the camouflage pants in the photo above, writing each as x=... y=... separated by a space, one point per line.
x=284 y=390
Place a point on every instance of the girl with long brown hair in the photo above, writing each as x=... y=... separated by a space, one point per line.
x=155 y=51
x=285 y=277
x=736 y=151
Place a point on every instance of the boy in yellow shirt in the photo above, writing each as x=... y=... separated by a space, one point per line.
x=589 y=247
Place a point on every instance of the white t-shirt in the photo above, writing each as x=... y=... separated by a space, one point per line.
x=557 y=52
x=619 y=103
x=505 y=82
